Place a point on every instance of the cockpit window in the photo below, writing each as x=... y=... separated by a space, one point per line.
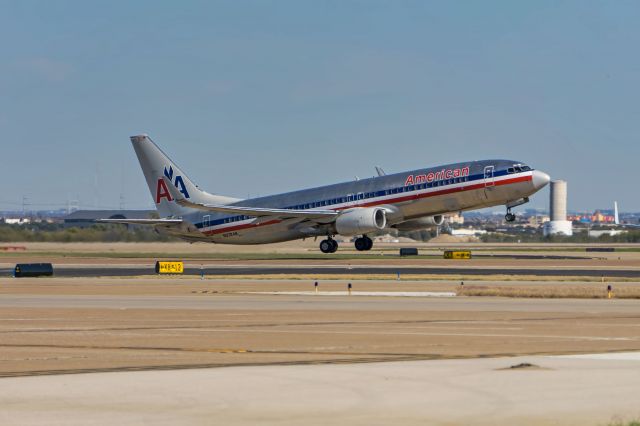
x=518 y=168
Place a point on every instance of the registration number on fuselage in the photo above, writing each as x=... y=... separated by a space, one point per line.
x=230 y=234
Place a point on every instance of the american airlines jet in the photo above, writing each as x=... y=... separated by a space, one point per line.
x=405 y=201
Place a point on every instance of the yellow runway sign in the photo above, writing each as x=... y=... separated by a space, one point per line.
x=169 y=267
x=457 y=254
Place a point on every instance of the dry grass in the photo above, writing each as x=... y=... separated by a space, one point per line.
x=412 y=277
x=549 y=292
x=624 y=423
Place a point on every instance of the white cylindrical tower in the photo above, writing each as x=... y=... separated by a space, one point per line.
x=558 y=202
x=558 y=225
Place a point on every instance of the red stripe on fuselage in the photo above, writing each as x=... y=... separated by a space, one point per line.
x=390 y=201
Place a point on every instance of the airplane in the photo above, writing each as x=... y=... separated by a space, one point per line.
x=405 y=201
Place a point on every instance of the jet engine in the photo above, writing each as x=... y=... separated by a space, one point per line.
x=421 y=223
x=361 y=220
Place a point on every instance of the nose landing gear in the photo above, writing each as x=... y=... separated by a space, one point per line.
x=509 y=217
x=329 y=245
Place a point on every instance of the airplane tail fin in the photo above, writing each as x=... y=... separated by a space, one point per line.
x=156 y=164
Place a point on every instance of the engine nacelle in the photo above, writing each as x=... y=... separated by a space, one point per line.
x=361 y=221
x=421 y=223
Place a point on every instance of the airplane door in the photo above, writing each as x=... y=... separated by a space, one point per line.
x=489 y=181
x=206 y=221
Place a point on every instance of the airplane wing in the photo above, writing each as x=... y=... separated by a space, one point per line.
x=251 y=211
x=142 y=221
x=260 y=211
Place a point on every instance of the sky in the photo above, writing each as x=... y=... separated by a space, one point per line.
x=260 y=97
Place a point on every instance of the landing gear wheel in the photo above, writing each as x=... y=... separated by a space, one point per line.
x=328 y=246
x=510 y=217
x=363 y=243
x=369 y=242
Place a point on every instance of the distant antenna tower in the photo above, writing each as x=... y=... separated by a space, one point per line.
x=122 y=180
x=96 y=185
x=25 y=204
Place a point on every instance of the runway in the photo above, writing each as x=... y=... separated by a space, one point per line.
x=233 y=270
x=554 y=390
x=149 y=350
x=245 y=345
x=57 y=333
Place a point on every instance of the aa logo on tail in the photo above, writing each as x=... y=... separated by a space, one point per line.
x=163 y=192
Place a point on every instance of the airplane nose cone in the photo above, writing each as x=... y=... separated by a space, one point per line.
x=540 y=179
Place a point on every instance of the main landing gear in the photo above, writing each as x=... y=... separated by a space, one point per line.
x=363 y=243
x=329 y=245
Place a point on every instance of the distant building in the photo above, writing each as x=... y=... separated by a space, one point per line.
x=87 y=218
x=596 y=217
x=467 y=232
x=538 y=220
x=456 y=218
x=16 y=220
x=595 y=233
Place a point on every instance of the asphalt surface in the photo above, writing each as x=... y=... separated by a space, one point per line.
x=126 y=271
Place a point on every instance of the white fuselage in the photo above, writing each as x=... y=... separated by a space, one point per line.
x=403 y=199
